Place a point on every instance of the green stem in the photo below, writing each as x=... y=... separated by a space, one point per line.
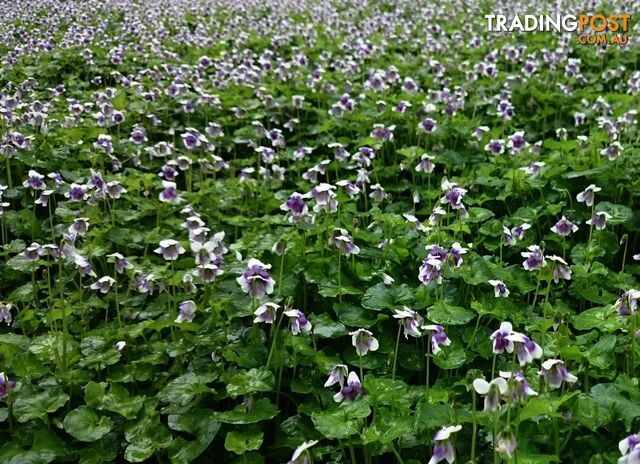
x=339 y=277
x=395 y=353
x=428 y=363
x=115 y=288
x=475 y=426
x=632 y=367
x=625 y=237
x=273 y=341
x=9 y=180
x=495 y=436
x=396 y=453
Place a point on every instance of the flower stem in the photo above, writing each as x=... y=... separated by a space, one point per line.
x=475 y=426
x=339 y=277
x=495 y=436
x=273 y=340
x=428 y=363
x=396 y=453
x=395 y=353
x=632 y=366
x=115 y=289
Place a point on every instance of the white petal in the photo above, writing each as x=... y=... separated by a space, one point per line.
x=481 y=386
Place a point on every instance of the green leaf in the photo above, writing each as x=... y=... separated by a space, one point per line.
x=543 y=406
x=116 y=400
x=619 y=213
x=261 y=410
x=387 y=426
x=85 y=424
x=19 y=341
x=602 y=318
x=36 y=406
x=202 y=425
x=616 y=403
x=601 y=354
x=146 y=435
x=591 y=414
x=451 y=357
x=445 y=314
x=241 y=442
x=343 y=421
x=354 y=316
x=381 y=391
x=325 y=327
x=252 y=381
x=183 y=389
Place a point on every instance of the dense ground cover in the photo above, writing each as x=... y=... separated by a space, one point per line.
x=355 y=232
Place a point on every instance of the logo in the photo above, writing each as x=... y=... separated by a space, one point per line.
x=596 y=29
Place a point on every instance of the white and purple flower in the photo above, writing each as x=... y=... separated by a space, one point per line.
x=256 y=280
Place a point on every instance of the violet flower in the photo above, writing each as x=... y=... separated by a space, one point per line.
x=456 y=252
x=301 y=454
x=587 y=195
x=410 y=321
x=169 y=193
x=7 y=386
x=443 y=448
x=325 y=198
x=555 y=373
x=499 y=288
x=428 y=125
x=629 y=449
x=121 y=263
x=535 y=259
x=501 y=339
x=430 y=271
x=506 y=443
x=144 y=283
x=351 y=390
x=103 y=285
x=298 y=321
x=76 y=192
x=33 y=252
x=599 y=219
x=507 y=237
x=495 y=147
x=492 y=391
x=526 y=349
x=79 y=226
x=561 y=269
x=343 y=242
x=564 y=227
x=337 y=374
x=187 y=311
x=364 y=341
x=517 y=142
x=425 y=164
x=256 y=280
x=5 y=313
x=438 y=337
x=627 y=303
x=519 y=388
x=34 y=181
x=266 y=312
x=170 y=249
x=519 y=231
